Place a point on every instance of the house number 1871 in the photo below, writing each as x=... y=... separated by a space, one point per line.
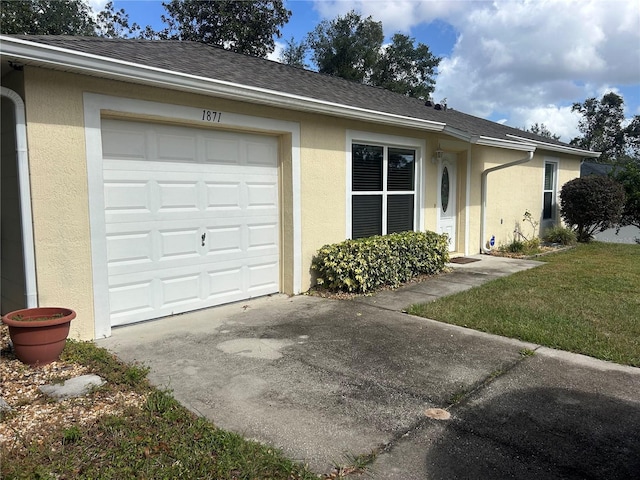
x=211 y=116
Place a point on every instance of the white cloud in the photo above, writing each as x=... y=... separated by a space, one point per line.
x=540 y=56
x=395 y=15
x=522 y=61
x=275 y=55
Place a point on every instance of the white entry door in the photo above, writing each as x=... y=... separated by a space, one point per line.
x=191 y=218
x=447 y=202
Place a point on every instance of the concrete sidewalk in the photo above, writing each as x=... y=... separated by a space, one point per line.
x=326 y=380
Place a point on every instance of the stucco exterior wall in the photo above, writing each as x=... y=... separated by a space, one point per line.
x=56 y=132
x=513 y=191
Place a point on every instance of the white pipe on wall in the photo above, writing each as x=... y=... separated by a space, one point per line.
x=31 y=290
x=483 y=204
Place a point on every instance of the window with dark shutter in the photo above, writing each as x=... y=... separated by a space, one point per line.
x=383 y=190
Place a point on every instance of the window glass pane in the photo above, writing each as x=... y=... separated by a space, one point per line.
x=401 y=169
x=366 y=168
x=548 y=176
x=547 y=209
x=399 y=213
x=366 y=215
x=445 y=189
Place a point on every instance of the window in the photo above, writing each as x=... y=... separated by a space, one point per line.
x=549 y=191
x=383 y=190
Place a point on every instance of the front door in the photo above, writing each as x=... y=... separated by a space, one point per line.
x=447 y=202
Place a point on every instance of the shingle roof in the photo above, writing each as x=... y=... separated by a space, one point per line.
x=207 y=61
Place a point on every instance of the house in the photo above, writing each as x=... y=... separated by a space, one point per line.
x=159 y=177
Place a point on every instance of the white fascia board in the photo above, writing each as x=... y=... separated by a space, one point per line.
x=459 y=134
x=55 y=57
x=522 y=146
x=558 y=148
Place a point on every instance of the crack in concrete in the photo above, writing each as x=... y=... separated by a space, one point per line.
x=480 y=385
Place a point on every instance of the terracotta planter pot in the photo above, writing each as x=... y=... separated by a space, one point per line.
x=39 y=342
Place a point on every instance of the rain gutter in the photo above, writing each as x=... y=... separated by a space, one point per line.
x=48 y=56
x=28 y=245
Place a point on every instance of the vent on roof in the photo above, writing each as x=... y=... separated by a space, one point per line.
x=438 y=106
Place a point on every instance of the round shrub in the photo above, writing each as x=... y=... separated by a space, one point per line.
x=591 y=204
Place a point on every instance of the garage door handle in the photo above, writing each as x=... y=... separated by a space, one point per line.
x=204 y=235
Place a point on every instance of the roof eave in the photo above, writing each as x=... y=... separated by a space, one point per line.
x=557 y=148
x=56 y=57
x=522 y=146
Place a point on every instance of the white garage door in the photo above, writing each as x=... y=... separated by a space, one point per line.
x=191 y=218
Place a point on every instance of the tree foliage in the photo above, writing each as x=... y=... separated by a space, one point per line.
x=294 y=54
x=46 y=17
x=347 y=46
x=112 y=23
x=245 y=27
x=350 y=47
x=405 y=69
x=602 y=128
x=629 y=177
x=64 y=17
x=591 y=204
x=542 y=130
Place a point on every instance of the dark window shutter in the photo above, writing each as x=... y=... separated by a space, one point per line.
x=547 y=209
x=366 y=168
x=399 y=213
x=401 y=169
x=366 y=216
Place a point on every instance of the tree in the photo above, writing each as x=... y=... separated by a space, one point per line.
x=46 y=17
x=113 y=23
x=602 y=128
x=591 y=204
x=543 y=131
x=294 y=54
x=245 y=27
x=405 y=69
x=347 y=47
x=629 y=177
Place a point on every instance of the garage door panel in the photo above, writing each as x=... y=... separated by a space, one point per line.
x=125 y=249
x=127 y=197
x=172 y=148
x=178 y=196
x=222 y=151
x=178 y=244
x=223 y=195
x=191 y=218
x=261 y=277
x=131 y=298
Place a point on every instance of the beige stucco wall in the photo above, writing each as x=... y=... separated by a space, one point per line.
x=54 y=104
x=512 y=191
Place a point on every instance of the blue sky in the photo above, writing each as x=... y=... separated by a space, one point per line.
x=517 y=62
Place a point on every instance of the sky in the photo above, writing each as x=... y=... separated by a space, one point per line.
x=516 y=62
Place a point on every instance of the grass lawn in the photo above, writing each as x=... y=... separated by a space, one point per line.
x=124 y=429
x=586 y=300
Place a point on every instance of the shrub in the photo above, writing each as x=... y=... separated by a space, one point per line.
x=629 y=177
x=560 y=234
x=522 y=247
x=591 y=204
x=364 y=264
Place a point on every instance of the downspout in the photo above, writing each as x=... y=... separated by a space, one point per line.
x=31 y=290
x=483 y=204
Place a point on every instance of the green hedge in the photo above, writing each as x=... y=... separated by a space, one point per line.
x=367 y=263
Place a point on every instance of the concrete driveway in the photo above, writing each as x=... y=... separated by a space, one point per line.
x=327 y=380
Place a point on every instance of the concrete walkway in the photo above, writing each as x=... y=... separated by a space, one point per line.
x=328 y=380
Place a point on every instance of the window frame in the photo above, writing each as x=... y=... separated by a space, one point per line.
x=386 y=142
x=553 y=190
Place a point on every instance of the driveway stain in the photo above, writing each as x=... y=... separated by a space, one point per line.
x=262 y=348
